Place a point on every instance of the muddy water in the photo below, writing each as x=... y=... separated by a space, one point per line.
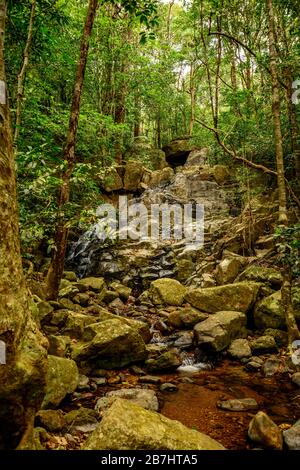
x=195 y=404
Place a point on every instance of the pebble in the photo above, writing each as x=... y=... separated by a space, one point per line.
x=168 y=387
x=150 y=379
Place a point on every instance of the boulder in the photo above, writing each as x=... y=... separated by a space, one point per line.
x=218 y=330
x=269 y=313
x=221 y=174
x=239 y=349
x=190 y=316
x=292 y=436
x=166 y=361
x=111 y=181
x=96 y=284
x=227 y=270
x=159 y=177
x=167 y=291
x=70 y=276
x=58 y=345
x=114 y=345
x=142 y=397
x=62 y=379
x=197 y=157
x=76 y=323
x=133 y=175
x=263 y=344
x=83 y=419
x=126 y=426
x=44 y=309
x=123 y=291
x=239 y=297
x=51 y=420
x=264 y=431
x=184 y=269
x=255 y=273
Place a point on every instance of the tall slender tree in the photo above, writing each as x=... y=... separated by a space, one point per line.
x=22 y=371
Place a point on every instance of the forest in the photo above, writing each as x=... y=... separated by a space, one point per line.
x=150 y=225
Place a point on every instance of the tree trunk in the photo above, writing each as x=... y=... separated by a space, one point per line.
x=192 y=99
x=22 y=73
x=282 y=218
x=22 y=377
x=55 y=271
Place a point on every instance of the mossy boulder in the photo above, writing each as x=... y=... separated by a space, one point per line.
x=134 y=171
x=269 y=312
x=239 y=297
x=62 y=379
x=51 y=420
x=111 y=181
x=239 y=349
x=218 y=330
x=126 y=426
x=114 y=345
x=167 y=291
x=221 y=174
x=228 y=269
x=266 y=275
x=76 y=323
x=96 y=284
x=166 y=361
x=123 y=291
x=264 y=431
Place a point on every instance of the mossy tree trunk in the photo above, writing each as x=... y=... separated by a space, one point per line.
x=22 y=377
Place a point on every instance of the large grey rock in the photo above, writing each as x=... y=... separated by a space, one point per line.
x=264 y=431
x=62 y=379
x=114 y=345
x=126 y=426
x=218 y=330
x=239 y=297
x=292 y=436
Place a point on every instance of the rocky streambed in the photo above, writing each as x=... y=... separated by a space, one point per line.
x=164 y=345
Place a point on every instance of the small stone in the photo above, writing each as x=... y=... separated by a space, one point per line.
x=100 y=373
x=238 y=404
x=142 y=397
x=150 y=379
x=254 y=364
x=83 y=383
x=168 y=387
x=137 y=370
x=271 y=366
x=100 y=381
x=296 y=378
x=264 y=431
